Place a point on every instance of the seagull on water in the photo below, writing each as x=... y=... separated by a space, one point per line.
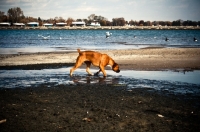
x=45 y=37
x=108 y=34
x=195 y=39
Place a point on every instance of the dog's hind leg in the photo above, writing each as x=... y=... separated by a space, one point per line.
x=88 y=64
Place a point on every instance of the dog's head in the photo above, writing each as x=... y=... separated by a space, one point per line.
x=115 y=68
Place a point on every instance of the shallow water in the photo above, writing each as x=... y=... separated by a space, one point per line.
x=168 y=81
x=26 y=40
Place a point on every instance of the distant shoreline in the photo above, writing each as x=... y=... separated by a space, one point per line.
x=110 y=28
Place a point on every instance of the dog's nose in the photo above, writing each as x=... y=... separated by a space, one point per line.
x=118 y=71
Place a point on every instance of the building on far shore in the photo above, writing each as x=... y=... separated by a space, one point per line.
x=82 y=24
x=61 y=24
x=48 y=25
x=4 y=24
x=33 y=24
x=95 y=24
x=19 y=24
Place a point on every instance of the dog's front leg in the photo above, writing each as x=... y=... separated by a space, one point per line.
x=103 y=70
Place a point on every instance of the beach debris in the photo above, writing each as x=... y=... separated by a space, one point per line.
x=118 y=115
x=2 y=121
x=87 y=119
x=159 y=115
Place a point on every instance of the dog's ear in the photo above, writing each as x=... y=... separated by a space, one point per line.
x=115 y=64
x=116 y=68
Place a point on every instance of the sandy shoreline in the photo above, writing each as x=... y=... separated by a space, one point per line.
x=135 y=59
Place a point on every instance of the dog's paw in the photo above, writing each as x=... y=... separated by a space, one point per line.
x=90 y=74
x=96 y=74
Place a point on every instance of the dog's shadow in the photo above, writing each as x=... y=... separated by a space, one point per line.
x=87 y=79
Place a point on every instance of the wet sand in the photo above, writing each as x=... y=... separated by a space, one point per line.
x=136 y=59
x=100 y=107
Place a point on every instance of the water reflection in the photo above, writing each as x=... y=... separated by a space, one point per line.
x=94 y=80
x=173 y=82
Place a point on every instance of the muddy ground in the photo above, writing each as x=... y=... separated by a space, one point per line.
x=96 y=108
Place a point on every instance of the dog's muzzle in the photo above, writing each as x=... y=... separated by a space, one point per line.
x=118 y=71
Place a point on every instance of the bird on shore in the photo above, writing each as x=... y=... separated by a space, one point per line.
x=166 y=39
x=195 y=39
x=108 y=34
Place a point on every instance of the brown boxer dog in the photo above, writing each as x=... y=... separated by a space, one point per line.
x=97 y=59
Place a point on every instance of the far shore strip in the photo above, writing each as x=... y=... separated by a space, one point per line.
x=136 y=59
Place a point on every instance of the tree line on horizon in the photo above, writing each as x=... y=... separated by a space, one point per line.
x=16 y=15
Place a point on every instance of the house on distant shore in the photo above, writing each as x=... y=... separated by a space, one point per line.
x=33 y=24
x=19 y=24
x=82 y=24
x=4 y=24
x=61 y=24
x=48 y=25
x=94 y=23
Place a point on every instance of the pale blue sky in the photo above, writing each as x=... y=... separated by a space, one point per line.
x=147 y=10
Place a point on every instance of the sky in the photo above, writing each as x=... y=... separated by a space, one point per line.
x=147 y=10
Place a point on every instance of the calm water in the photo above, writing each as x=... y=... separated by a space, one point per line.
x=168 y=81
x=32 y=40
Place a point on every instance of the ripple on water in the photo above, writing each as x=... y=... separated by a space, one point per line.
x=173 y=82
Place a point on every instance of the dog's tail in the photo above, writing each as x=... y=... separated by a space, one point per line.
x=79 y=51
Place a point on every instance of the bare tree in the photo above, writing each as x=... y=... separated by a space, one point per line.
x=119 y=21
x=15 y=14
x=69 y=21
x=91 y=17
x=3 y=17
